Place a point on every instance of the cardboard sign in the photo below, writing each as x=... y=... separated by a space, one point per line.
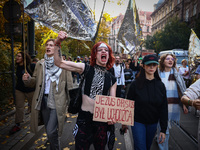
x=107 y=108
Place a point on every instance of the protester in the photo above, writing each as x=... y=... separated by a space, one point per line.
x=86 y=60
x=51 y=95
x=184 y=72
x=35 y=60
x=128 y=75
x=69 y=58
x=175 y=85
x=135 y=66
x=64 y=56
x=119 y=75
x=98 y=81
x=149 y=94
x=191 y=98
x=22 y=93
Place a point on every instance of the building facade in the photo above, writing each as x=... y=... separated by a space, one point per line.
x=185 y=10
x=145 y=23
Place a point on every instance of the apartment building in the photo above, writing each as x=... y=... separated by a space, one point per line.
x=186 y=10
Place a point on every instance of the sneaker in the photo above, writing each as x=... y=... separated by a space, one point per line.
x=15 y=129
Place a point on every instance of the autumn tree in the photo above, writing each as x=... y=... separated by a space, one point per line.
x=6 y=53
x=104 y=29
x=174 y=35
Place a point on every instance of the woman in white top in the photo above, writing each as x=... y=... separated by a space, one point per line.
x=184 y=72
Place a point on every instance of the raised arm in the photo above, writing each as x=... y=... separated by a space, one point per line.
x=67 y=65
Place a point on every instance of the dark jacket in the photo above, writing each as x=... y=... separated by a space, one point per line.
x=150 y=102
x=19 y=73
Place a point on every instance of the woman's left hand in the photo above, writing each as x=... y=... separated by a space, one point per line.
x=185 y=110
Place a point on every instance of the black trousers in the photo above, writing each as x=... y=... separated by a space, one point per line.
x=118 y=91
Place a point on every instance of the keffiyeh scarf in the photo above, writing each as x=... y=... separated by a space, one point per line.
x=53 y=72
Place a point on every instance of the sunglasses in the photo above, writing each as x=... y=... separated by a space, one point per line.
x=153 y=64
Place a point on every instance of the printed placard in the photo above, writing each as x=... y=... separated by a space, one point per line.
x=107 y=108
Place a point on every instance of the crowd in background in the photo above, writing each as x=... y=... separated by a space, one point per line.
x=125 y=71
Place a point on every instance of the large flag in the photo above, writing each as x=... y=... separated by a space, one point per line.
x=194 y=47
x=72 y=16
x=127 y=35
x=138 y=29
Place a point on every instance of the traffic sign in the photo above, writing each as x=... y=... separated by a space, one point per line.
x=11 y=10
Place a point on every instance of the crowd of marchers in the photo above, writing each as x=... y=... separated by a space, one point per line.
x=160 y=90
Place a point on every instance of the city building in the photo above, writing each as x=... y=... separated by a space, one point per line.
x=145 y=23
x=186 y=10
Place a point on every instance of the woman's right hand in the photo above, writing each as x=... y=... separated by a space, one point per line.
x=161 y=137
x=196 y=104
x=26 y=76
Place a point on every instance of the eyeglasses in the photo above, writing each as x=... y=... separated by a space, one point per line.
x=153 y=64
x=170 y=59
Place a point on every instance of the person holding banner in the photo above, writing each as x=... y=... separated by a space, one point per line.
x=21 y=91
x=149 y=94
x=98 y=81
x=51 y=96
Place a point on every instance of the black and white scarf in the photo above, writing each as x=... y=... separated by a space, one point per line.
x=53 y=72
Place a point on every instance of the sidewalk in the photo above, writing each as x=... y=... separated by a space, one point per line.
x=180 y=136
x=21 y=138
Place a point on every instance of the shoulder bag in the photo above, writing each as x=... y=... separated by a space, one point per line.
x=76 y=97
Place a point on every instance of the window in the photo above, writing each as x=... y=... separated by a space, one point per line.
x=178 y=1
x=147 y=28
x=186 y=15
x=144 y=28
x=195 y=9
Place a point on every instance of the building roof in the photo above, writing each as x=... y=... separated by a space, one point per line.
x=148 y=14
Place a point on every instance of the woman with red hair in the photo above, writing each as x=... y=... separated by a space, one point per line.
x=97 y=81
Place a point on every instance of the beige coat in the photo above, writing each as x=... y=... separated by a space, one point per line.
x=61 y=96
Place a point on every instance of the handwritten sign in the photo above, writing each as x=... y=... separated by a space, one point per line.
x=107 y=108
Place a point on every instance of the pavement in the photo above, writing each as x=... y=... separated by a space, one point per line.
x=183 y=137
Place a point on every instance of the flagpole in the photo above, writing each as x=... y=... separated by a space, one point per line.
x=93 y=40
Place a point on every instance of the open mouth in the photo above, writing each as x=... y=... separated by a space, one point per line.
x=103 y=58
x=48 y=51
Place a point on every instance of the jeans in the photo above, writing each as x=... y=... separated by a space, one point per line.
x=164 y=145
x=143 y=135
x=51 y=124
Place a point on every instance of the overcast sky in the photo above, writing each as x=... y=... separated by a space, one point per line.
x=114 y=10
